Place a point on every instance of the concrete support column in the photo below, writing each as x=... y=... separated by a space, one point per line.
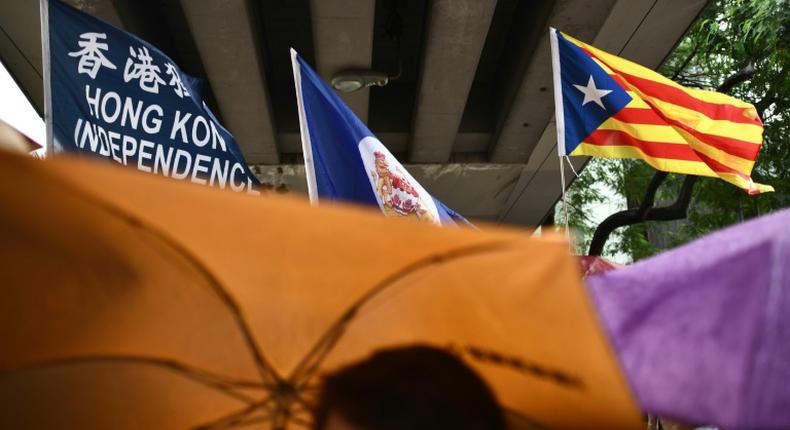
x=456 y=34
x=225 y=38
x=343 y=38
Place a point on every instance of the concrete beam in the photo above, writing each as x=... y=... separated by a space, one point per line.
x=464 y=143
x=343 y=38
x=539 y=186
x=102 y=9
x=644 y=31
x=455 y=37
x=225 y=37
x=532 y=107
x=665 y=23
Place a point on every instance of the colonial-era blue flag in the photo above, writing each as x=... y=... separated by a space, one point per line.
x=115 y=96
x=345 y=161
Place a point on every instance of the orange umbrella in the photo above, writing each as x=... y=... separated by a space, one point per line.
x=132 y=301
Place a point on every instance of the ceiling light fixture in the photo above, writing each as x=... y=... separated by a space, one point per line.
x=356 y=79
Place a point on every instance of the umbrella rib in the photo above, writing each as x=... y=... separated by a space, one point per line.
x=525 y=419
x=310 y=363
x=520 y=365
x=233 y=419
x=298 y=400
x=251 y=420
x=266 y=370
x=300 y=421
x=302 y=379
x=301 y=405
x=268 y=373
x=199 y=375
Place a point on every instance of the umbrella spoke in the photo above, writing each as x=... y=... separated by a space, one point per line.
x=309 y=387
x=309 y=367
x=518 y=364
x=312 y=361
x=229 y=420
x=300 y=401
x=240 y=417
x=301 y=421
x=522 y=420
x=249 y=420
x=218 y=382
x=267 y=372
x=281 y=421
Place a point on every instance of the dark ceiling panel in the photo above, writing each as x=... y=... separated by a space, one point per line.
x=397 y=39
x=515 y=30
x=285 y=24
x=162 y=23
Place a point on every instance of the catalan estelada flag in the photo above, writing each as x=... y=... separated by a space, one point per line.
x=607 y=106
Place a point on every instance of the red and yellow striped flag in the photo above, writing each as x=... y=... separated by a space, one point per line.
x=671 y=127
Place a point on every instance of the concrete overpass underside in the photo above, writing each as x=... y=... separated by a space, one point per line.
x=470 y=114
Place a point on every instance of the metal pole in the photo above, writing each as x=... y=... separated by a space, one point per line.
x=45 y=65
x=307 y=147
x=566 y=219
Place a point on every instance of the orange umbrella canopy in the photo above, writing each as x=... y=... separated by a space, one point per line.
x=132 y=301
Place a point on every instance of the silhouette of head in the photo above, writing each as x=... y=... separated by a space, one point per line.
x=414 y=388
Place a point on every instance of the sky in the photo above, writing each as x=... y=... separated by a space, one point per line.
x=16 y=110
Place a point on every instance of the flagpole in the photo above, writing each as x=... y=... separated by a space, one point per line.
x=307 y=147
x=559 y=118
x=46 y=69
x=564 y=199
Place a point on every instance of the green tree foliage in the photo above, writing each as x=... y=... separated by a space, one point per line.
x=728 y=35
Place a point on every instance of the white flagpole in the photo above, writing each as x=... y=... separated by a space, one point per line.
x=307 y=147
x=566 y=220
x=559 y=116
x=559 y=113
x=46 y=69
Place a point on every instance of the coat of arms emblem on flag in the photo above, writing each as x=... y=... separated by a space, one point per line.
x=397 y=191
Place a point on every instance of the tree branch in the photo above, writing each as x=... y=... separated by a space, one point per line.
x=685 y=62
x=736 y=78
x=645 y=212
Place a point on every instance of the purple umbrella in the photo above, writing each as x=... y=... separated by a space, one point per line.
x=703 y=331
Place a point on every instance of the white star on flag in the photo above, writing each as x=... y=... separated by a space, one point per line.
x=592 y=94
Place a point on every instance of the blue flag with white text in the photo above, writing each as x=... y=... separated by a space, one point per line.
x=117 y=97
x=345 y=161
